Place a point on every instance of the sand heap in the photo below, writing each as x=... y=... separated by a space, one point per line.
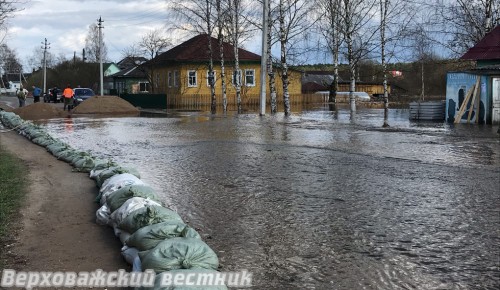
x=38 y=111
x=105 y=105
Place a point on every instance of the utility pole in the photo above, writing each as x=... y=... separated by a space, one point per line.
x=263 y=61
x=45 y=47
x=100 y=54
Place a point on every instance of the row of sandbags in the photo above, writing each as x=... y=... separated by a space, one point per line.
x=153 y=236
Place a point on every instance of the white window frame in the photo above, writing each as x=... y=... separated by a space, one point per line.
x=146 y=85
x=252 y=84
x=215 y=77
x=195 y=78
x=169 y=79
x=176 y=78
x=233 y=77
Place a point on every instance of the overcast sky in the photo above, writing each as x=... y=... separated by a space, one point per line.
x=65 y=24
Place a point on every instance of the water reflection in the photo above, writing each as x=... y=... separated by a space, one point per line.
x=314 y=201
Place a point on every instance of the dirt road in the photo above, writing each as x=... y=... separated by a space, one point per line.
x=57 y=229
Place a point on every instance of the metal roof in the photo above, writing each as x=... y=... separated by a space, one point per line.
x=487 y=48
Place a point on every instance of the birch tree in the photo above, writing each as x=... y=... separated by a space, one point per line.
x=466 y=22
x=221 y=15
x=329 y=25
x=198 y=13
x=234 y=7
x=356 y=16
x=92 y=46
x=293 y=20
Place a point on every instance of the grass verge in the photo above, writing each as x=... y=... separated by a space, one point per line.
x=13 y=188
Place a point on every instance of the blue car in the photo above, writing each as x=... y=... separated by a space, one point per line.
x=81 y=94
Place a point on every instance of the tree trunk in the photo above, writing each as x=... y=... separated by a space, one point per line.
x=384 y=4
x=237 y=74
x=221 y=51
x=284 y=65
x=270 y=71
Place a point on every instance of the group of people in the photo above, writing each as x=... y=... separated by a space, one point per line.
x=22 y=93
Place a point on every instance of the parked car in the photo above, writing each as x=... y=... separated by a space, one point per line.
x=81 y=94
x=53 y=95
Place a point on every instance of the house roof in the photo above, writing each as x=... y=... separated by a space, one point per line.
x=133 y=72
x=487 y=48
x=131 y=61
x=196 y=50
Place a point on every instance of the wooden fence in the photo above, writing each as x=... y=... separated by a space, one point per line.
x=201 y=101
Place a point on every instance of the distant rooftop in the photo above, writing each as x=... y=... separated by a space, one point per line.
x=487 y=48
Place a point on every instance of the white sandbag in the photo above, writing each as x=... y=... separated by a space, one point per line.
x=103 y=216
x=118 y=181
x=129 y=206
x=129 y=254
x=137 y=266
x=115 y=183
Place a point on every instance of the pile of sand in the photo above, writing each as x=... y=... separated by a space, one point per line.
x=38 y=111
x=105 y=105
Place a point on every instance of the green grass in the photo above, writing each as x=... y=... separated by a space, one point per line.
x=13 y=187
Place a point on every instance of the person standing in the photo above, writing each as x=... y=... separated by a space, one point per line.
x=36 y=94
x=21 y=96
x=68 y=97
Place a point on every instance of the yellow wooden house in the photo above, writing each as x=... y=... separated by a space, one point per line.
x=182 y=73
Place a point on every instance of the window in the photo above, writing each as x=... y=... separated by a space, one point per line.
x=144 y=87
x=192 y=79
x=250 y=77
x=176 y=78
x=157 y=80
x=169 y=79
x=237 y=78
x=208 y=77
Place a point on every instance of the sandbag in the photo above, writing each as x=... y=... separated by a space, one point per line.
x=66 y=155
x=120 y=196
x=129 y=254
x=179 y=253
x=103 y=216
x=56 y=147
x=100 y=165
x=150 y=236
x=146 y=216
x=107 y=173
x=44 y=140
x=84 y=164
x=193 y=275
x=129 y=206
x=116 y=182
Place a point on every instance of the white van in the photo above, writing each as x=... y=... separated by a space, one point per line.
x=360 y=96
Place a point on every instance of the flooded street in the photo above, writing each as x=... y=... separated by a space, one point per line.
x=321 y=199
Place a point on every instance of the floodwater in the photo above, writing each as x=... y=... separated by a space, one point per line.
x=322 y=199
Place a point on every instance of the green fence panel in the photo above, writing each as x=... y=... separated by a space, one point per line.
x=147 y=101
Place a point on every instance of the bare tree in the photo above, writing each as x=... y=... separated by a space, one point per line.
x=329 y=13
x=422 y=52
x=154 y=43
x=92 y=46
x=221 y=14
x=293 y=20
x=199 y=14
x=35 y=61
x=468 y=21
x=357 y=16
x=234 y=7
x=9 y=61
x=7 y=8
